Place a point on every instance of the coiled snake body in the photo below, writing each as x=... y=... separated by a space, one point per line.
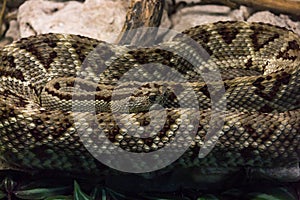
x=259 y=64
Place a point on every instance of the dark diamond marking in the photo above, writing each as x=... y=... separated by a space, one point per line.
x=20 y=101
x=281 y=79
x=292 y=45
x=268 y=78
x=53 y=55
x=259 y=42
x=284 y=78
x=38 y=51
x=201 y=36
x=46 y=40
x=248 y=64
x=10 y=61
x=12 y=73
x=75 y=46
x=257 y=83
x=266 y=109
x=56 y=86
x=228 y=33
x=205 y=91
x=52 y=44
x=145 y=56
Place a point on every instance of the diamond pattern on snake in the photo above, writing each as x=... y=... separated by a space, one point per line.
x=258 y=63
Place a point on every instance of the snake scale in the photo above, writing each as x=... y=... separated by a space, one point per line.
x=259 y=65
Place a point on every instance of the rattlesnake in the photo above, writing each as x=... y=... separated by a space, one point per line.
x=259 y=64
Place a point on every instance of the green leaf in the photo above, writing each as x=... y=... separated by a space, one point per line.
x=2 y=195
x=208 y=197
x=61 y=197
x=78 y=194
x=39 y=193
x=273 y=194
x=233 y=193
x=114 y=195
x=261 y=196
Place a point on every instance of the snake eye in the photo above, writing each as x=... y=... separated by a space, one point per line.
x=152 y=98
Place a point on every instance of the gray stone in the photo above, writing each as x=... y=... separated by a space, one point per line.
x=98 y=19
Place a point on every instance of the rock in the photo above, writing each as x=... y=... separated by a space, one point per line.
x=103 y=19
x=281 y=20
x=98 y=19
x=13 y=31
x=192 y=16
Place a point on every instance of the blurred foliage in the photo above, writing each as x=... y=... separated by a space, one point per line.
x=66 y=189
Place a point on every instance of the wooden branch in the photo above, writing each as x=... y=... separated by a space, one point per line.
x=141 y=13
x=2 y=12
x=291 y=7
x=148 y=13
